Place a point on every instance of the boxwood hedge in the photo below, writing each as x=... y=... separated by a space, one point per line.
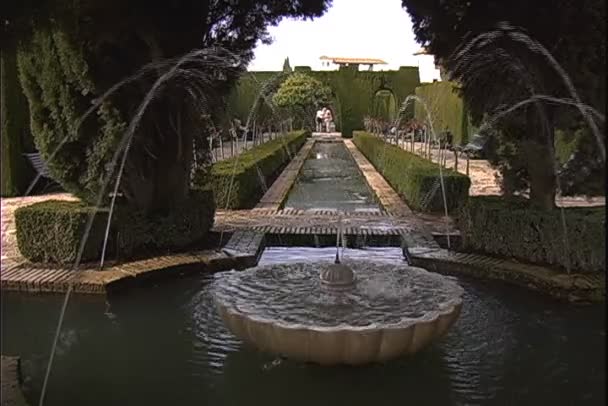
x=511 y=228
x=252 y=170
x=50 y=231
x=415 y=179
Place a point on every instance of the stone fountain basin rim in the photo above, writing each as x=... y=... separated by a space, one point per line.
x=448 y=308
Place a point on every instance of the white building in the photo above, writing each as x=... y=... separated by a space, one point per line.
x=333 y=63
x=429 y=70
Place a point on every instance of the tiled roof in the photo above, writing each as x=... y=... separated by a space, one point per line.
x=362 y=61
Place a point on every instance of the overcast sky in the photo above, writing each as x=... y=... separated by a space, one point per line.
x=350 y=28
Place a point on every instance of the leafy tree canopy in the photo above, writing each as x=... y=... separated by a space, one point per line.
x=302 y=91
x=300 y=95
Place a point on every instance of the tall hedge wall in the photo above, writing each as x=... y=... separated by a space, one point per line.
x=353 y=92
x=446 y=108
x=414 y=178
x=492 y=225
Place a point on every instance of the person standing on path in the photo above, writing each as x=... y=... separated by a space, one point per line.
x=328 y=119
x=319 y=120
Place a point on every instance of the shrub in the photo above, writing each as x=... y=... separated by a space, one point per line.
x=251 y=170
x=136 y=234
x=414 y=178
x=511 y=228
x=51 y=231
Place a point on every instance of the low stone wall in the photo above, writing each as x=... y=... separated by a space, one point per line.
x=577 y=288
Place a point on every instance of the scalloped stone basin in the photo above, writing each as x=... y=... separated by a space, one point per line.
x=393 y=310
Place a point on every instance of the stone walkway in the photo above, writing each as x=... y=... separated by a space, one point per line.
x=485 y=180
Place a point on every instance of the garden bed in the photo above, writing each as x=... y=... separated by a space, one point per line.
x=240 y=182
x=416 y=179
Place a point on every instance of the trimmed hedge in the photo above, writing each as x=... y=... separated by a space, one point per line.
x=414 y=178
x=265 y=161
x=510 y=228
x=50 y=231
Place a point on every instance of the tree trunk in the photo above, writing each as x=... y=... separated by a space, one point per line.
x=157 y=177
x=539 y=159
x=16 y=173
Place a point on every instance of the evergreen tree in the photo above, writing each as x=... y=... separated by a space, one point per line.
x=286 y=66
x=73 y=52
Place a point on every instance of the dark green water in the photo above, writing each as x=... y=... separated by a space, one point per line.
x=165 y=345
x=330 y=179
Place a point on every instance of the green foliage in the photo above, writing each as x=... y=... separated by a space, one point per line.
x=137 y=233
x=88 y=46
x=511 y=228
x=446 y=109
x=16 y=172
x=55 y=77
x=51 y=231
x=384 y=107
x=301 y=95
x=582 y=170
x=565 y=145
x=414 y=178
x=237 y=183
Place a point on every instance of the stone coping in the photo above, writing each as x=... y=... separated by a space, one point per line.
x=389 y=199
x=242 y=251
x=276 y=194
x=12 y=395
x=574 y=287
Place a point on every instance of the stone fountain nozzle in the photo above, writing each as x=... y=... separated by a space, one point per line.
x=407 y=257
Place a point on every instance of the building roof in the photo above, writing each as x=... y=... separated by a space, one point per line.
x=422 y=51
x=360 y=61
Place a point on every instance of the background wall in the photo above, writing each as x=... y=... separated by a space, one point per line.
x=353 y=92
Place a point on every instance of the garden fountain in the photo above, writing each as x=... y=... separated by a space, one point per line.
x=353 y=312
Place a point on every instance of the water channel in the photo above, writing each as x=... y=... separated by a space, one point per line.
x=330 y=179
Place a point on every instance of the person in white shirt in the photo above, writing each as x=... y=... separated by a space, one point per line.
x=319 y=120
x=328 y=119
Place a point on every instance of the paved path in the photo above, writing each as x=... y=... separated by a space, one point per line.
x=485 y=180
